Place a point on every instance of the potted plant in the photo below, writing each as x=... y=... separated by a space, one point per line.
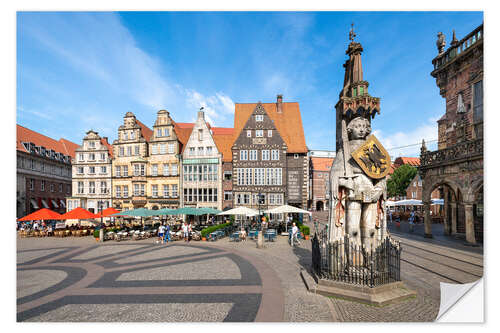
x=305 y=231
x=96 y=235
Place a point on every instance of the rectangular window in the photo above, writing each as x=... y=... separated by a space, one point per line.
x=192 y=151
x=79 y=170
x=154 y=149
x=103 y=169
x=118 y=191
x=122 y=151
x=165 y=170
x=249 y=133
x=136 y=169
x=174 y=170
x=170 y=148
x=190 y=173
x=136 y=150
x=275 y=155
x=60 y=187
x=228 y=175
x=118 y=171
x=32 y=162
x=125 y=171
x=51 y=187
x=259 y=117
x=163 y=148
x=166 y=132
x=42 y=187
x=81 y=157
x=103 y=156
x=125 y=135
x=478 y=101
x=209 y=151
x=92 y=187
x=269 y=133
x=174 y=191
x=158 y=132
x=200 y=134
x=246 y=198
x=200 y=151
x=154 y=190
x=92 y=170
x=228 y=195
x=243 y=155
x=103 y=188
x=143 y=170
x=253 y=155
x=125 y=191
x=132 y=135
x=136 y=189
x=190 y=194
x=154 y=170
x=259 y=133
x=80 y=187
x=265 y=155
x=91 y=157
x=165 y=191
x=129 y=151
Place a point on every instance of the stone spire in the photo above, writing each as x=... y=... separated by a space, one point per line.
x=354 y=100
x=454 y=40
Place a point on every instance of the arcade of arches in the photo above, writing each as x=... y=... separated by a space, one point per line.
x=463 y=200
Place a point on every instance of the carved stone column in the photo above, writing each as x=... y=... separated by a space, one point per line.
x=447 y=224
x=469 y=224
x=427 y=220
x=453 y=218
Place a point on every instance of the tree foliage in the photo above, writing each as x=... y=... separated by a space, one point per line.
x=400 y=179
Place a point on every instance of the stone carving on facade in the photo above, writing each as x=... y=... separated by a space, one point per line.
x=441 y=42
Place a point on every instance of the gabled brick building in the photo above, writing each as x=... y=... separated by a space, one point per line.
x=269 y=155
x=43 y=171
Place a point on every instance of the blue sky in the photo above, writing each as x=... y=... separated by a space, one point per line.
x=81 y=71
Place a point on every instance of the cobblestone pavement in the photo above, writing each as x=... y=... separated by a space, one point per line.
x=75 y=279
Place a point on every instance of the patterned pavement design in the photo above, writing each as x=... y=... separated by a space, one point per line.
x=144 y=282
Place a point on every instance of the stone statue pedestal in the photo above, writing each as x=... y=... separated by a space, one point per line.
x=378 y=296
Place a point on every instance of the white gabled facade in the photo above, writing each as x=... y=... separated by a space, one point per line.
x=201 y=172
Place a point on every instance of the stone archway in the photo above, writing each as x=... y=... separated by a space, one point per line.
x=450 y=200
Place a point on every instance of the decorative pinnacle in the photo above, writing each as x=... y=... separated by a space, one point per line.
x=352 y=34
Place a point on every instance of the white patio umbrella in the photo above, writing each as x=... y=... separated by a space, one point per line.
x=408 y=202
x=390 y=203
x=287 y=209
x=245 y=211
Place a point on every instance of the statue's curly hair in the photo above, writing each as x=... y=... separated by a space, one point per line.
x=352 y=122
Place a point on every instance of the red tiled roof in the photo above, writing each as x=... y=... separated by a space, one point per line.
x=146 y=131
x=322 y=163
x=223 y=138
x=288 y=123
x=62 y=146
x=183 y=131
x=105 y=142
x=413 y=161
x=391 y=169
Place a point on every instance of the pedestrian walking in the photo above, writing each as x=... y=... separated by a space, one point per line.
x=294 y=234
x=161 y=229
x=390 y=216
x=190 y=230
x=185 y=231
x=167 y=234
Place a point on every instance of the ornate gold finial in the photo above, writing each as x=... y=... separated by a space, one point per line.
x=352 y=34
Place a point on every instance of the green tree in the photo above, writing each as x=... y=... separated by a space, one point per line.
x=400 y=179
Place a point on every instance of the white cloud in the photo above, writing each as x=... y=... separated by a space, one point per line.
x=396 y=143
x=216 y=107
x=100 y=48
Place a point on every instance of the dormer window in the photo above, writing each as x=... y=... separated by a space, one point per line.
x=249 y=133
x=158 y=132
x=269 y=133
x=132 y=135
x=259 y=117
x=92 y=144
x=259 y=133
x=166 y=132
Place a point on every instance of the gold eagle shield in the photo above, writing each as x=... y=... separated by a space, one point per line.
x=373 y=158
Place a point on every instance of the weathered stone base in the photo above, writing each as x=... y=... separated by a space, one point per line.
x=378 y=296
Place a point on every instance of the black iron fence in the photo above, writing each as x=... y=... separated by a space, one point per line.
x=348 y=262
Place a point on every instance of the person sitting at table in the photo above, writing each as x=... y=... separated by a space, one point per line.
x=243 y=234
